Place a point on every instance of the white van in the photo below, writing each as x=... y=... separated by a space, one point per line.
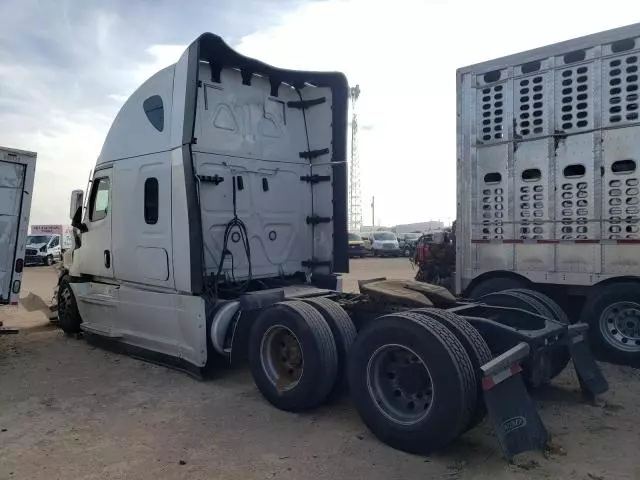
x=43 y=249
x=384 y=244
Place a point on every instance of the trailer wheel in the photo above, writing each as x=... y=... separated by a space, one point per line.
x=475 y=346
x=344 y=334
x=292 y=355
x=412 y=382
x=68 y=315
x=613 y=315
x=495 y=284
x=560 y=356
x=540 y=304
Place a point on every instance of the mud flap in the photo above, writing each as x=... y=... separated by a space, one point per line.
x=592 y=381
x=512 y=412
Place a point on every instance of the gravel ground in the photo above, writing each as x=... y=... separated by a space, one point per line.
x=69 y=410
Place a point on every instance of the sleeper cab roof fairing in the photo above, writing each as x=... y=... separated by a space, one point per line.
x=174 y=90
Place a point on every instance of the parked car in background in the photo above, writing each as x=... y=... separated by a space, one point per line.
x=407 y=242
x=356 y=246
x=384 y=244
x=43 y=249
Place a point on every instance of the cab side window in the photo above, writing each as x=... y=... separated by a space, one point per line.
x=55 y=241
x=99 y=204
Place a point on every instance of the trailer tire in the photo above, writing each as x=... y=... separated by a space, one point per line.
x=69 y=318
x=344 y=334
x=539 y=304
x=560 y=356
x=604 y=311
x=412 y=382
x=476 y=347
x=495 y=284
x=292 y=355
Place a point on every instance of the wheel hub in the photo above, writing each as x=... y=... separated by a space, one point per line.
x=620 y=326
x=282 y=357
x=400 y=384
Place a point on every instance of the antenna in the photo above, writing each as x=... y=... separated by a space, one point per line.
x=355 y=204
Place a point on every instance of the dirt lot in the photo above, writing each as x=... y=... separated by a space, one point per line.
x=69 y=410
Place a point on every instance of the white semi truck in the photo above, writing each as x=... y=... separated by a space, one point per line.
x=17 y=172
x=549 y=181
x=215 y=227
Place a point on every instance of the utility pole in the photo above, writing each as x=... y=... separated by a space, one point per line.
x=373 y=211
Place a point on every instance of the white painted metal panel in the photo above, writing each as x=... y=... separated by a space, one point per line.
x=320 y=137
x=132 y=133
x=247 y=134
x=12 y=177
x=143 y=247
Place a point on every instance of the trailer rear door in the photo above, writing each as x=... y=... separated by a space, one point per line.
x=16 y=170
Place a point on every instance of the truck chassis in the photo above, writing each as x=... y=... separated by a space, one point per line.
x=422 y=367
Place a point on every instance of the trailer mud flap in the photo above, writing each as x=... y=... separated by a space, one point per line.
x=512 y=412
x=592 y=381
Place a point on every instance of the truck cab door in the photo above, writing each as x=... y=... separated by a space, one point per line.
x=95 y=257
x=98 y=298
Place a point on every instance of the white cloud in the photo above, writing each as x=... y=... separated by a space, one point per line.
x=161 y=56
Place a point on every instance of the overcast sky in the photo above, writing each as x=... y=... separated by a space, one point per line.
x=66 y=66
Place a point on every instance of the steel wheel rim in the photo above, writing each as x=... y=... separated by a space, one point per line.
x=620 y=326
x=282 y=357
x=400 y=384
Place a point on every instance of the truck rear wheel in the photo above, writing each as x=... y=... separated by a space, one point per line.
x=69 y=318
x=412 y=382
x=293 y=356
x=344 y=334
x=613 y=315
x=475 y=346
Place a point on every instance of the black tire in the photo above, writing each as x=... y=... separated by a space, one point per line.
x=452 y=379
x=611 y=345
x=496 y=284
x=344 y=334
x=475 y=346
x=530 y=301
x=317 y=349
x=48 y=260
x=560 y=355
x=69 y=318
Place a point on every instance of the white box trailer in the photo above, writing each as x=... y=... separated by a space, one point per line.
x=548 y=149
x=17 y=171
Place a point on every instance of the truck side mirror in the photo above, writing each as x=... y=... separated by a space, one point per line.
x=76 y=201
x=75 y=210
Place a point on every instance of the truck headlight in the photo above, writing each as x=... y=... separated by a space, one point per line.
x=43 y=249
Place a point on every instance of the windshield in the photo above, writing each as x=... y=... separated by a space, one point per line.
x=354 y=238
x=35 y=239
x=384 y=236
